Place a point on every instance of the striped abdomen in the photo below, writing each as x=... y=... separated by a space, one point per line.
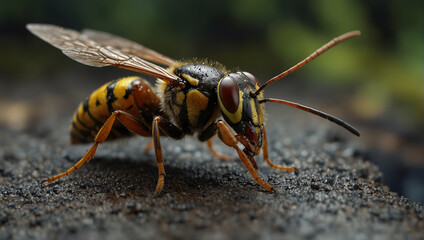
x=115 y=95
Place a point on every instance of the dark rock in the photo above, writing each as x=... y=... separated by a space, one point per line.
x=315 y=186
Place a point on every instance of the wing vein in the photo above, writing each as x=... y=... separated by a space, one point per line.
x=101 y=49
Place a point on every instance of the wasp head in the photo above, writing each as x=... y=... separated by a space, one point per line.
x=241 y=109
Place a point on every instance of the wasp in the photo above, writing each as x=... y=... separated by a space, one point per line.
x=196 y=97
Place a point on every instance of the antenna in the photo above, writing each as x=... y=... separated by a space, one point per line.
x=327 y=116
x=315 y=54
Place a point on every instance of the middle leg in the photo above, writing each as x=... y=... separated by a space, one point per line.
x=214 y=152
x=158 y=154
x=162 y=125
x=265 y=149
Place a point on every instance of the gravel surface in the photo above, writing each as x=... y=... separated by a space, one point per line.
x=336 y=195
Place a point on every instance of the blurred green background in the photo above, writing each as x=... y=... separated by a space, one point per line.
x=377 y=77
x=383 y=68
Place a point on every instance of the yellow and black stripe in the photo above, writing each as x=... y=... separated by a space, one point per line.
x=96 y=109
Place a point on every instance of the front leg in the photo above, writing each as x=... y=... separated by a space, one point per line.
x=227 y=137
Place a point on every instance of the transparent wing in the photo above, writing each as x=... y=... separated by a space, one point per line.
x=86 y=50
x=127 y=46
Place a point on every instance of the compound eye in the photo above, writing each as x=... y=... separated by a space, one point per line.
x=229 y=94
x=252 y=78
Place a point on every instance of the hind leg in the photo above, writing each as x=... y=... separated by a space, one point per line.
x=130 y=122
